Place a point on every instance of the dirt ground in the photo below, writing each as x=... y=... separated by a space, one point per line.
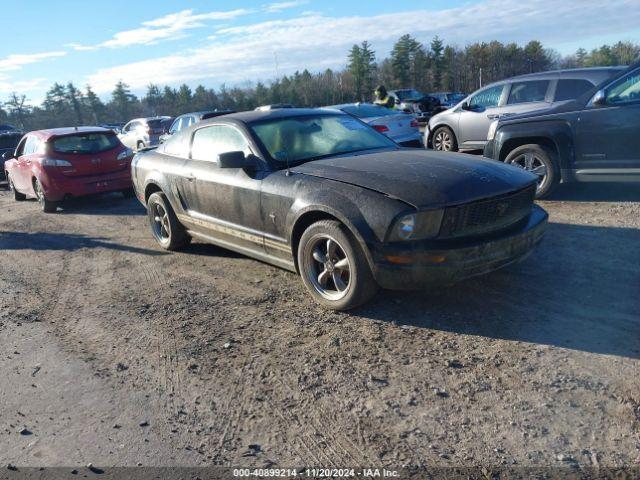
x=116 y=353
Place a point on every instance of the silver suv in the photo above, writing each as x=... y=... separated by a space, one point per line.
x=465 y=125
x=144 y=132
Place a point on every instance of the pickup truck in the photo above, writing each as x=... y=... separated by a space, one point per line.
x=593 y=138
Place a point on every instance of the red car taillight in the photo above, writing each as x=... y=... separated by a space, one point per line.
x=414 y=123
x=381 y=128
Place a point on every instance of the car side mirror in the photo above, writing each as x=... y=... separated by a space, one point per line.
x=600 y=98
x=8 y=155
x=465 y=106
x=235 y=159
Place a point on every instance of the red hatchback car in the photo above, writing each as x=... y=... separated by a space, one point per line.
x=52 y=165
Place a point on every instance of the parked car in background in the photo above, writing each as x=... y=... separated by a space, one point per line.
x=398 y=126
x=9 y=140
x=144 y=132
x=318 y=192
x=404 y=98
x=273 y=106
x=52 y=165
x=593 y=138
x=6 y=127
x=448 y=99
x=188 y=119
x=465 y=126
x=116 y=127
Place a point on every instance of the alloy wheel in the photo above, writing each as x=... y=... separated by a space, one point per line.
x=161 y=227
x=531 y=162
x=442 y=141
x=328 y=268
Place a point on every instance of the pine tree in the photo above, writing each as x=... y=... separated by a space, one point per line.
x=74 y=98
x=437 y=51
x=94 y=106
x=123 y=102
x=152 y=99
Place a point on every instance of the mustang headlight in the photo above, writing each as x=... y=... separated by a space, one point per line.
x=417 y=226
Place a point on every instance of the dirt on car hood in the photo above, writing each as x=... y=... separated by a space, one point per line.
x=422 y=178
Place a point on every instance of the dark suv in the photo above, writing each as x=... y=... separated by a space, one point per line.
x=9 y=140
x=593 y=138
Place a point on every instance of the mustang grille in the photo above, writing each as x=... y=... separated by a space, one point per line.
x=487 y=216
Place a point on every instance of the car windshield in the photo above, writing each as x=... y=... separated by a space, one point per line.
x=85 y=143
x=368 y=111
x=299 y=139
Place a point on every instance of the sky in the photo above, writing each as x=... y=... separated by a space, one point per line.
x=216 y=42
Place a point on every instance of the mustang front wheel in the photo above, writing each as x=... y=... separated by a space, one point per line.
x=333 y=266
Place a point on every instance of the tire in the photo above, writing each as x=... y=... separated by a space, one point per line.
x=47 y=205
x=17 y=196
x=341 y=288
x=444 y=140
x=166 y=229
x=539 y=160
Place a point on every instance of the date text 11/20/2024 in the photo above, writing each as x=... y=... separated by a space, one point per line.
x=315 y=473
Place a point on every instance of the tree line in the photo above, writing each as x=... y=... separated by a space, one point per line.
x=411 y=64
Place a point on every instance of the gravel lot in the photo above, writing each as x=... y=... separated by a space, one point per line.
x=116 y=353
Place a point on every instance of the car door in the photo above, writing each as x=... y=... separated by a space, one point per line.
x=607 y=132
x=224 y=202
x=24 y=157
x=128 y=136
x=477 y=114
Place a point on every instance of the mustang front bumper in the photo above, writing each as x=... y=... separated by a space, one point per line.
x=421 y=265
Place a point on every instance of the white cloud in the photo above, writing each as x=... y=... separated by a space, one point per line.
x=169 y=27
x=316 y=42
x=280 y=6
x=17 y=61
x=23 y=86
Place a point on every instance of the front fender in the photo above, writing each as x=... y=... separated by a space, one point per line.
x=557 y=132
x=367 y=214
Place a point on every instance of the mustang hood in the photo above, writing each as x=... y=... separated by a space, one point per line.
x=422 y=178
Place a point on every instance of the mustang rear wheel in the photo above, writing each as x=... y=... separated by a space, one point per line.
x=166 y=228
x=17 y=196
x=333 y=266
x=47 y=205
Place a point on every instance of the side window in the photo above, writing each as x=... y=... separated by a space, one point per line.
x=571 y=88
x=488 y=98
x=20 y=147
x=126 y=128
x=176 y=125
x=527 y=92
x=31 y=146
x=625 y=90
x=177 y=145
x=209 y=142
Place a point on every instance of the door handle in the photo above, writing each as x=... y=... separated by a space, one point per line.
x=493 y=116
x=190 y=177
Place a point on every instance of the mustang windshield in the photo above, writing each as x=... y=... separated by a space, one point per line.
x=305 y=138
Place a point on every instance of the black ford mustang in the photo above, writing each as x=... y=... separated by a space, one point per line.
x=324 y=194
